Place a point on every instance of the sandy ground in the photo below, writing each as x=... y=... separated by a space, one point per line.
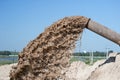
x=76 y=71
x=4 y=71
x=101 y=70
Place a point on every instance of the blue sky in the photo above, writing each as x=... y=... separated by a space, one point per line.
x=23 y=20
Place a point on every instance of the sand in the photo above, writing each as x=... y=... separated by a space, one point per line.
x=101 y=70
x=81 y=71
x=4 y=71
x=46 y=56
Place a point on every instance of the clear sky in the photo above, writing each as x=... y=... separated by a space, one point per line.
x=23 y=20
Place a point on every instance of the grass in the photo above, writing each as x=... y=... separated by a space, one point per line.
x=74 y=59
x=87 y=60
x=5 y=62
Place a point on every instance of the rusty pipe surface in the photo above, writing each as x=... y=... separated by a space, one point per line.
x=104 y=31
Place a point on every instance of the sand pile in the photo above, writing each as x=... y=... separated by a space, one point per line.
x=101 y=70
x=81 y=71
x=48 y=55
x=4 y=71
x=109 y=70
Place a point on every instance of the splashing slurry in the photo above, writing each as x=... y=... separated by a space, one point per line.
x=45 y=57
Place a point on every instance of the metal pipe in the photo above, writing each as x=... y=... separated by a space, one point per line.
x=104 y=31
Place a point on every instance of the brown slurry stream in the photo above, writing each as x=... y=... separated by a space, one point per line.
x=46 y=56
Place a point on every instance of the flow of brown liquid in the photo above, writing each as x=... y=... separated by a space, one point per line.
x=46 y=56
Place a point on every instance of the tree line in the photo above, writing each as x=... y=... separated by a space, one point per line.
x=8 y=53
x=96 y=53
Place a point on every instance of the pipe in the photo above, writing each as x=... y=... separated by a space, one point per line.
x=103 y=31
